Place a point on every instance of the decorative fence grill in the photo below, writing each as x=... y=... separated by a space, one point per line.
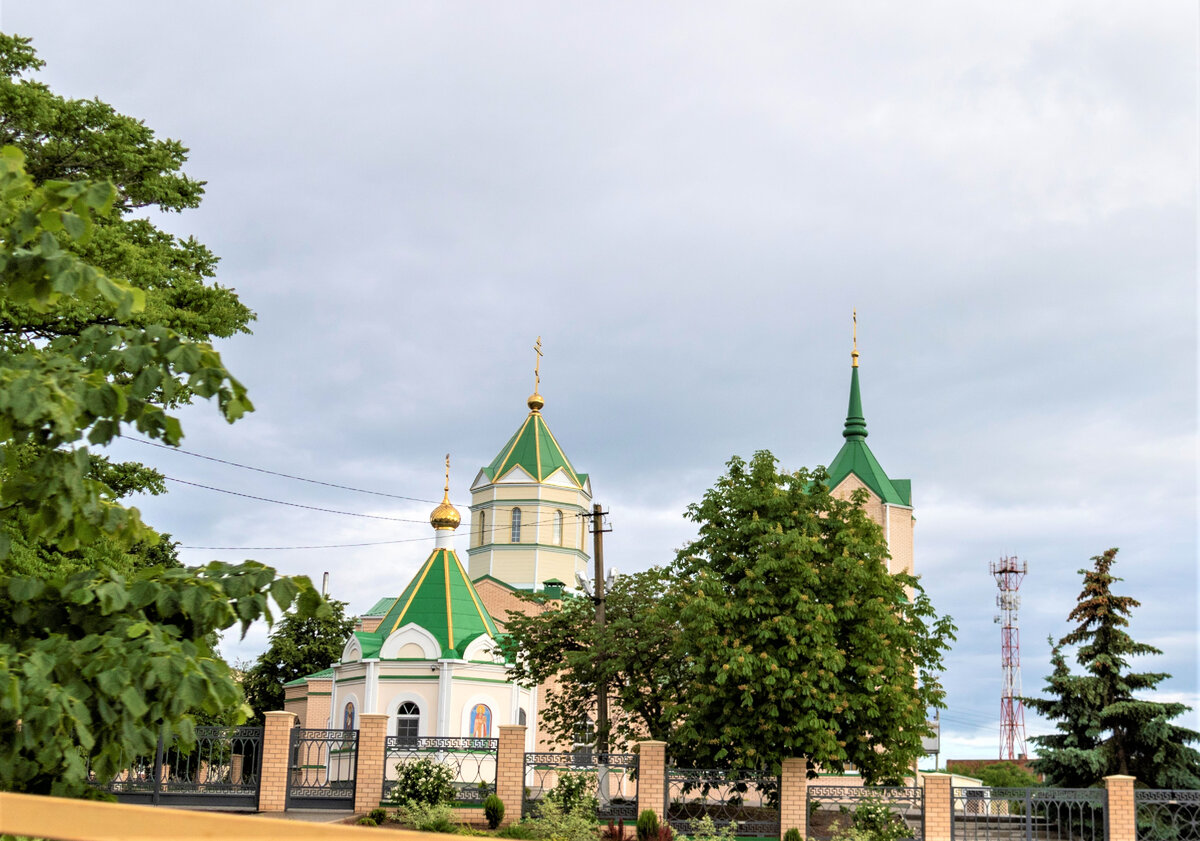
x=473 y=762
x=221 y=770
x=611 y=776
x=323 y=769
x=1028 y=814
x=1167 y=815
x=746 y=798
x=831 y=807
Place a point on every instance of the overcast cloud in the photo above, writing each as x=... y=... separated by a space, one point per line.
x=686 y=201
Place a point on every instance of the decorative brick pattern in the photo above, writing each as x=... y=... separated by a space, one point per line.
x=652 y=778
x=368 y=777
x=1122 y=808
x=939 y=812
x=510 y=771
x=276 y=761
x=793 y=796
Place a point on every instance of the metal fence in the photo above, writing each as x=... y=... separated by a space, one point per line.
x=612 y=777
x=867 y=807
x=748 y=799
x=1028 y=814
x=471 y=761
x=323 y=769
x=221 y=770
x=1167 y=815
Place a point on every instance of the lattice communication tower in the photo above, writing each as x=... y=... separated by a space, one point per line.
x=1009 y=573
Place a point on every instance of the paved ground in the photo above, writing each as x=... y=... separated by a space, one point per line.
x=310 y=815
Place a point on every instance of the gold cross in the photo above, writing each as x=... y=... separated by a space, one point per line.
x=537 y=377
x=447 y=473
x=854 y=351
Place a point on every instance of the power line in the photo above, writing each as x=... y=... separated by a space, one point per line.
x=294 y=504
x=277 y=473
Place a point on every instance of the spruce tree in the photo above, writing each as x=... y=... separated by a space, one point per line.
x=1102 y=727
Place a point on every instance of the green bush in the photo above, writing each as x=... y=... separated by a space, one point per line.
x=873 y=820
x=520 y=831
x=703 y=829
x=379 y=815
x=647 y=826
x=428 y=817
x=493 y=810
x=792 y=834
x=576 y=790
x=423 y=781
x=554 y=822
x=367 y=821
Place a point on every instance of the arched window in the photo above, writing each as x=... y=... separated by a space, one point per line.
x=521 y=717
x=482 y=527
x=557 y=533
x=516 y=525
x=408 y=724
x=348 y=716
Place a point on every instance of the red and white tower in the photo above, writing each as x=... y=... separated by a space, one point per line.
x=1008 y=573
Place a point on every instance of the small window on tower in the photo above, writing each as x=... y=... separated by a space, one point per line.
x=483 y=527
x=558 y=528
x=516 y=525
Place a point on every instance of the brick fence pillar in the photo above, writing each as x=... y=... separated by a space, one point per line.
x=939 y=807
x=1122 y=810
x=652 y=778
x=368 y=778
x=276 y=761
x=793 y=796
x=510 y=771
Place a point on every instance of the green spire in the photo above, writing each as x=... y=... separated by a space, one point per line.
x=856 y=424
x=536 y=451
x=856 y=457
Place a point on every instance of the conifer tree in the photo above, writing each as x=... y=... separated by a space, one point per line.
x=1102 y=727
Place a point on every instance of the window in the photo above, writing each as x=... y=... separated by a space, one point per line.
x=585 y=736
x=348 y=716
x=521 y=717
x=408 y=724
x=482 y=527
x=516 y=525
x=557 y=534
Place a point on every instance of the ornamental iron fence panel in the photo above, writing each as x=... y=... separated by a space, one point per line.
x=323 y=768
x=609 y=777
x=830 y=808
x=221 y=770
x=1028 y=814
x=747 y=799
x=471 y=760
x=1167 y=815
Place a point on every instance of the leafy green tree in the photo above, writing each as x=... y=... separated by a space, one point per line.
x=798 y=640
x=1102 y=727
x=300 y=645
x=640 y=666
x=1007 y=775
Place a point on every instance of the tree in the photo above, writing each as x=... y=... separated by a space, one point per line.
x=797 y=639
x=1102 y=727
x=1007 y=775
x=640 y=665
x=300 y=645
x=95 y=664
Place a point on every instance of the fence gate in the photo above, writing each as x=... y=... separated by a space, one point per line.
x=221 y=771
x=609 y=777
x=748 y=799
x=1028 y=814
x=323 y=766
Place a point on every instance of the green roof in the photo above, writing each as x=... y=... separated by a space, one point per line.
x=534 y=449
x=324 y=673
x=380 y=607
x=442 y=600
x=856 y=457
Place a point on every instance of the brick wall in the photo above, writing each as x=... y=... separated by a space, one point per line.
x=277 y=734
x=510 y=771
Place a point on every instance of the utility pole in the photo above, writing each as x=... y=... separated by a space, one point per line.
x=598 y=530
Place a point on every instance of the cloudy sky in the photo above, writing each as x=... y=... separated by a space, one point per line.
x=686 y=201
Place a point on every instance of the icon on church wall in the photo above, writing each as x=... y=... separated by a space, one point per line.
x=348 y=717
x=481 y=722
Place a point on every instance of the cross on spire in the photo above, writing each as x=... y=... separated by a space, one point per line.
x=537 y=376
x=854 y=350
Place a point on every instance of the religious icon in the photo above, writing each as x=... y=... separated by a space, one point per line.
x=481 y=722
x=348 y=717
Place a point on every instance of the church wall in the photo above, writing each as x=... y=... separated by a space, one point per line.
x=873 y=506
x=395 y=690
x=900 y=524
x=498 y=600
x=309 y=702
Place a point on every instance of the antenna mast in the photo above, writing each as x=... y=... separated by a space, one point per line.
x=1009 y=573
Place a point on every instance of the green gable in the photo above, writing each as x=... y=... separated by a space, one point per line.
x=442 y=600
x=856 y=457
x=535 y=450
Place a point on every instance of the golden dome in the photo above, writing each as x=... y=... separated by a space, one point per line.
x=445 y=516
x=535 y=402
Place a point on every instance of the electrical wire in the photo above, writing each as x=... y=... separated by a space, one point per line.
x=293 y=504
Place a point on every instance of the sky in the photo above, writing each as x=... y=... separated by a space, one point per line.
x=686 y=201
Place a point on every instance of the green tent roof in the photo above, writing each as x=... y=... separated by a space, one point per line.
x=536 y=451
x=442 y=600
x=856 y=457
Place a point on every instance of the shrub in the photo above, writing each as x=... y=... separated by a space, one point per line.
x=575 y=790
x=379 y=815
x=792 y=834
x=873 y=820
x=554 y=822
x=427 y=817
x=703 y=829
x=520 y=831
x=493 y=810
x=423 y=781
x=614 y=832
x=665 y=833
x=647 y=826
x=367 y=821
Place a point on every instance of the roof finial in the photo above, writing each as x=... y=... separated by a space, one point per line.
x=535 y=401
x=854 y=351
x=446 y=490
x=445 y=517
